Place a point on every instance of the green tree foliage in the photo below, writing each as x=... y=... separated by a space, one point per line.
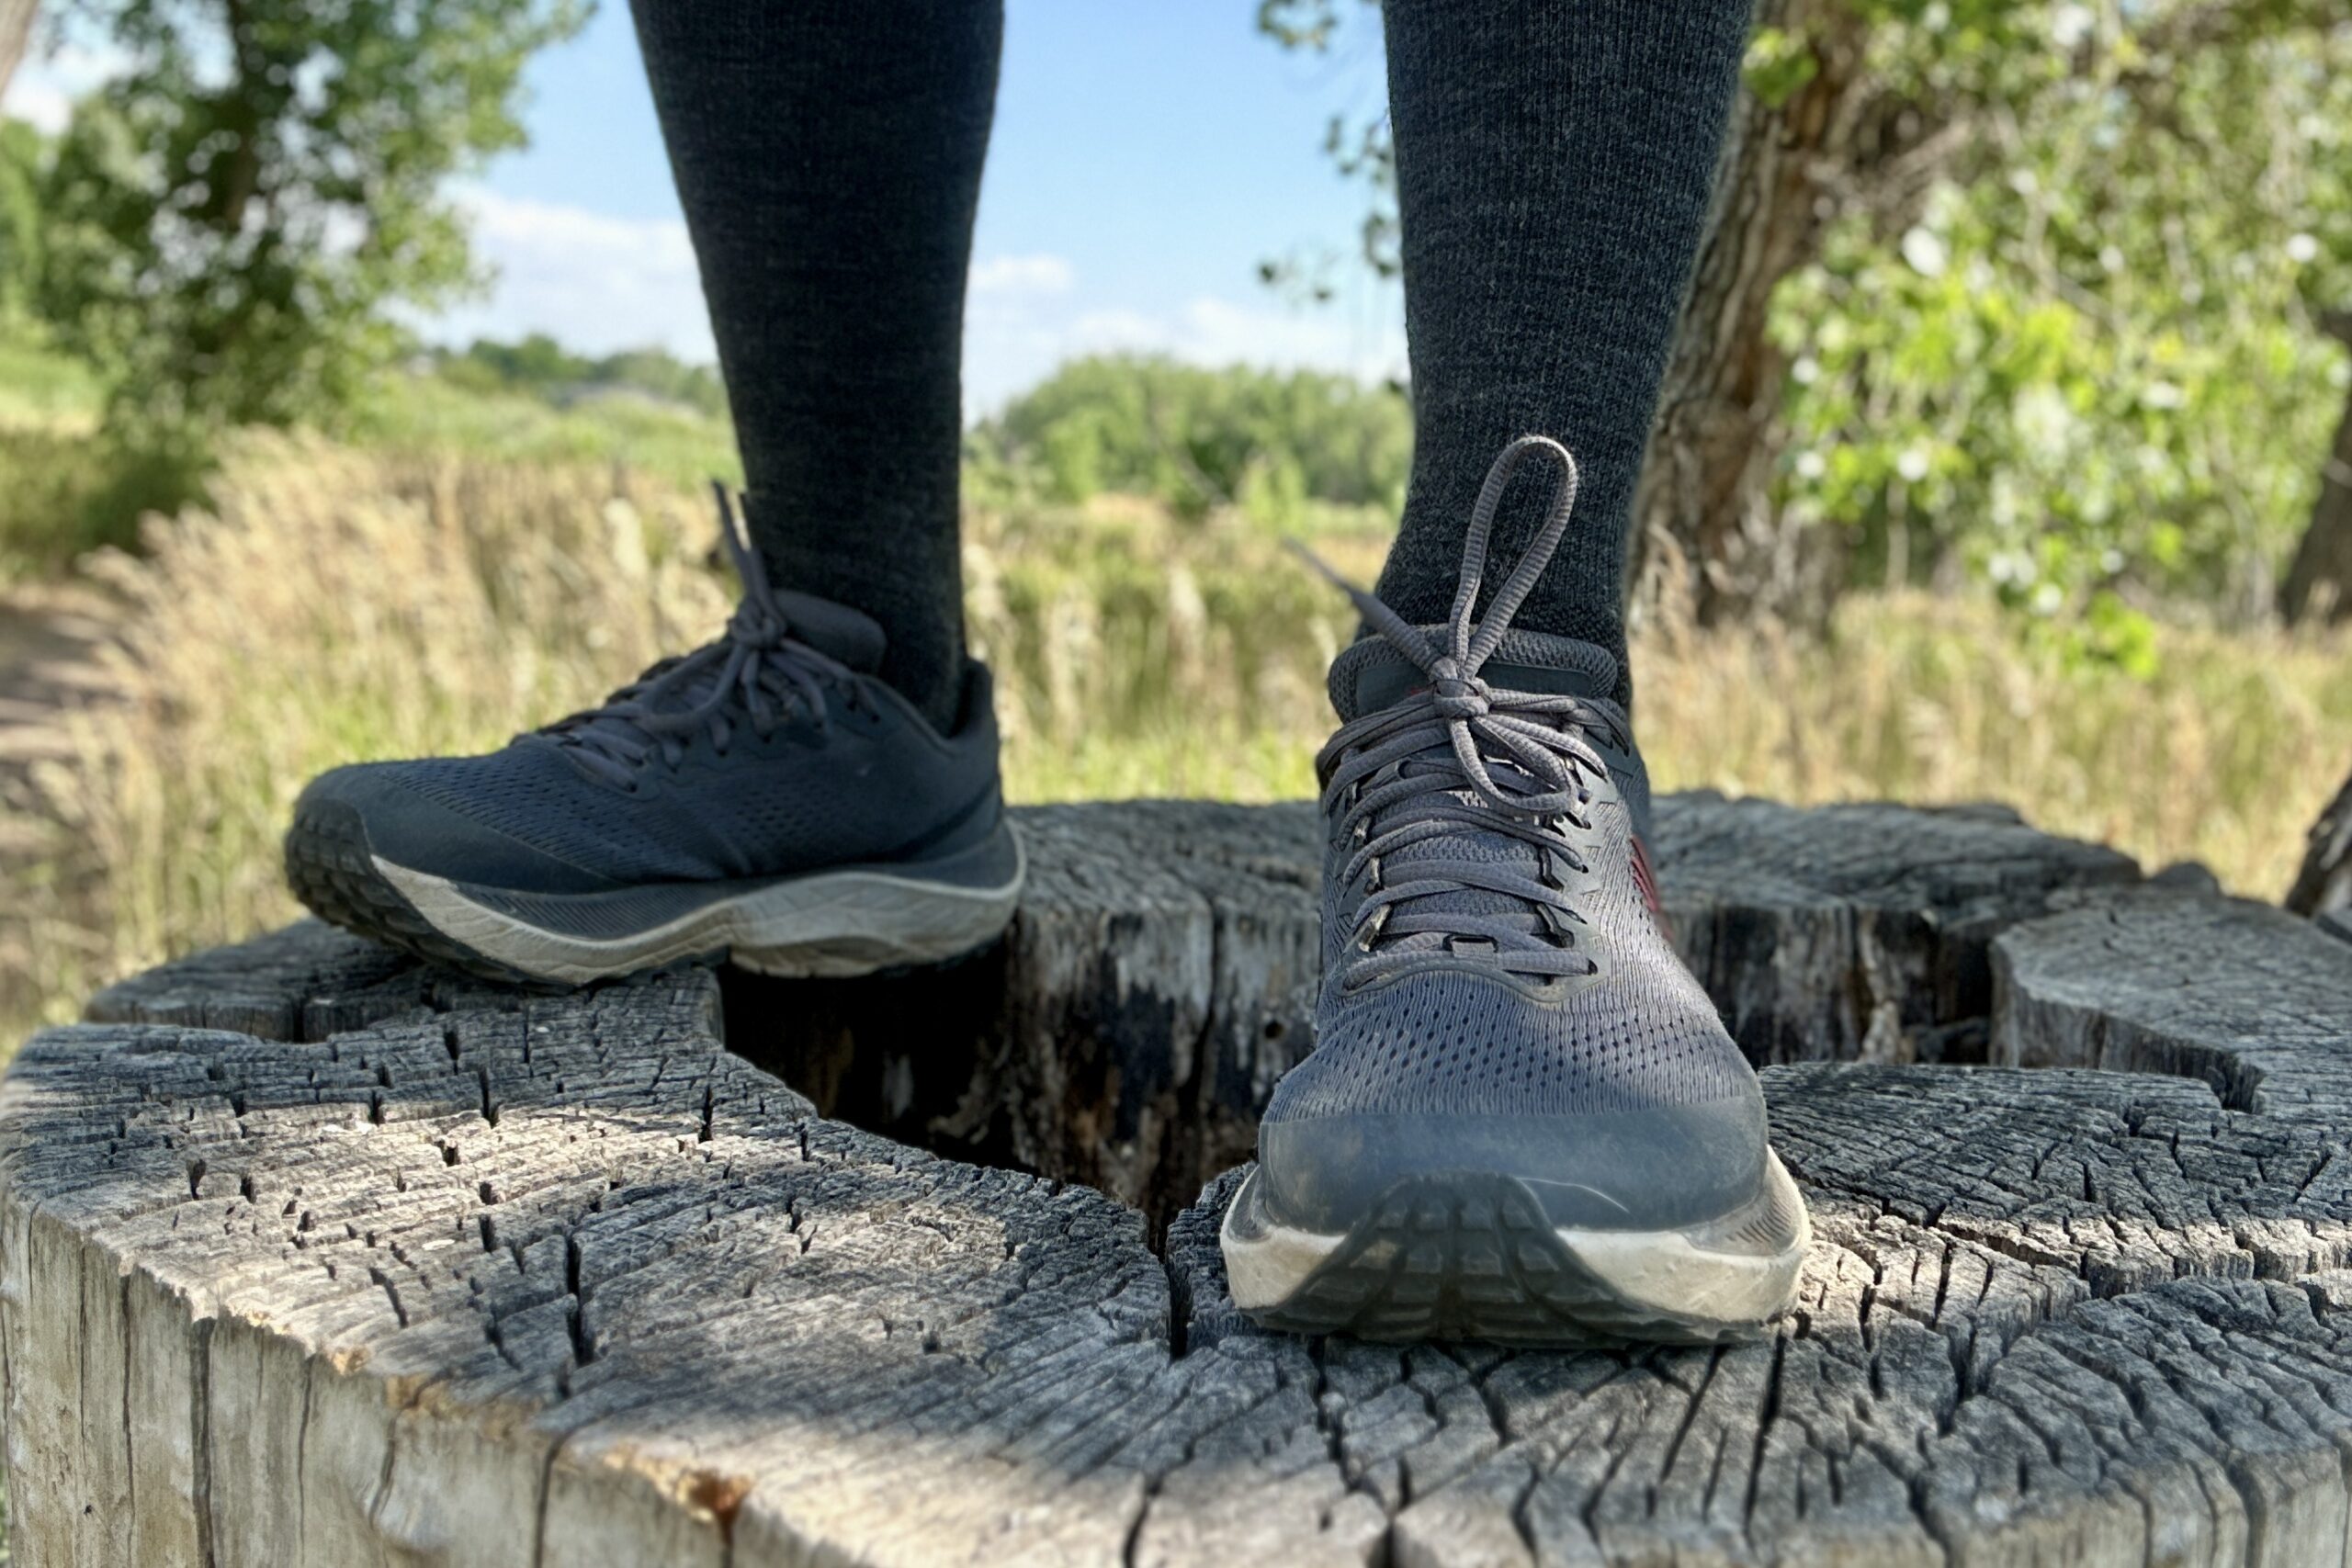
x=539 y=365
x=231 y=223
x=1203 y=438
x=2087 y=364
x=2063 y=332
x=22 y=158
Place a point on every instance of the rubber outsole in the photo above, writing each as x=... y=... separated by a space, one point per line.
x=330 y=870
x=844 y=924
x=1466 y=1256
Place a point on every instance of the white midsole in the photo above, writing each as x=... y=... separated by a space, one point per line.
x=836 y=923
x=1660 y=1270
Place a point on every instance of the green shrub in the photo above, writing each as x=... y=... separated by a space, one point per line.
x=1265 y=441
x=62 y=493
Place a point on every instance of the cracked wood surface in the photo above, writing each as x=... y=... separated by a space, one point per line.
x=1857 y=933
x=1161 y=978
x=2324 y=882
x=407 y=1270
x=2253 y=1000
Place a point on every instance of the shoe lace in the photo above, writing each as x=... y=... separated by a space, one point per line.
x=1455 y=762
x=755 y=669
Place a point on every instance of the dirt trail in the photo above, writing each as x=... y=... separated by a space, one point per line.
x=50 y=635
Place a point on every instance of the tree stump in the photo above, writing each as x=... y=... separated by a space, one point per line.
x=2323 y=887
x=309 y=1255
x=1161 y=977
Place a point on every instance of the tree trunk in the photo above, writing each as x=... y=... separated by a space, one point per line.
x=311 y=1255
x=15 y=31
x=1131 y=1029
x=1703 y=524
x=2319 y=583
x=2325 y=883
x=1842 y=141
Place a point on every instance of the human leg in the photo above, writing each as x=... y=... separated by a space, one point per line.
x=816 y=791
x=1523 y=1119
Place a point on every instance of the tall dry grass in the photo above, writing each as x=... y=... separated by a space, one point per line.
x=338 y=606
x=341 y=606
x=2223 y=755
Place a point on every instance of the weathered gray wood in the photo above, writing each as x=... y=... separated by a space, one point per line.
x=520 y=1279
x=2251 y=1000
x=306 y=983
x=1857 y=933
x=2324 y=882
x=1159 y=980
x=2319 y=580
x=494 y=1279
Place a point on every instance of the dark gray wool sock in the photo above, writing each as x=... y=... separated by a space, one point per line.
x=1554 y=159
x=828 y=155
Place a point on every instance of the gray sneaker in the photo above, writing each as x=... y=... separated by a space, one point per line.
x=764 y=798
x=1522 y=1120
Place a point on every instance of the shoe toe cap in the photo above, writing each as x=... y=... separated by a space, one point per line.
x=381 y=809
x=1618 y=1106
x=1652 y=1168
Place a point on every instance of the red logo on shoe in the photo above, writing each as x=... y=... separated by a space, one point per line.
x=1647 y=882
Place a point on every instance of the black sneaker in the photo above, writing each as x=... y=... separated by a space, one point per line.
x=1522 y=1120
x=764 y=798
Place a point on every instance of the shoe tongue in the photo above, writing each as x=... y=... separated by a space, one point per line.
x=837 y=631
x=1372 y=675
x=851 y=636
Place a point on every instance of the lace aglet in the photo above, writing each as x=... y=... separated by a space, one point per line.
x=1323 y=568
x=731 y=521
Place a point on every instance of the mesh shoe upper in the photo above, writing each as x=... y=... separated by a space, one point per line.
x=1495 y=985
x=771 y=751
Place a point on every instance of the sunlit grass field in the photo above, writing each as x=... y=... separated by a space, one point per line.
x=334 y=603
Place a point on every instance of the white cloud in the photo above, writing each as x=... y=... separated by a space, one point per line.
x=40 y=103
x=1213 y=331
x=1040 y=274
x=1117 y=331
x=596 y=283
x=42 y=92
x=540 y=229
x=599 y=283
x=1009 y=344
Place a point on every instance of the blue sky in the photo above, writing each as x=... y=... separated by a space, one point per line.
x=1147 y=157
